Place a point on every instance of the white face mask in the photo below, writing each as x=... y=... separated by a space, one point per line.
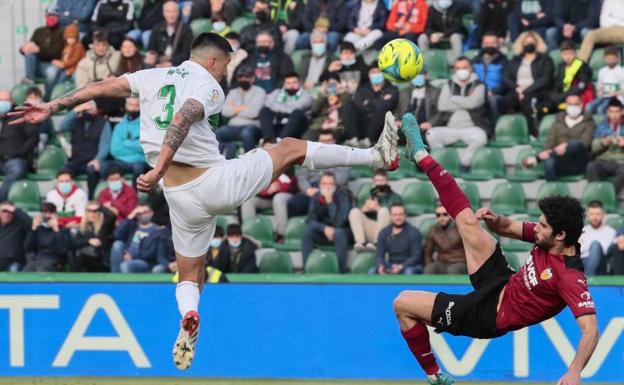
x=462 y=74
x=574 y=111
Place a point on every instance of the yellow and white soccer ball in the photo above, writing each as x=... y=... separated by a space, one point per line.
x=400 y=60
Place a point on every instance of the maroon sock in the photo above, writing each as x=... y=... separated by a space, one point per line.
x=417 y=339
x=451 y=196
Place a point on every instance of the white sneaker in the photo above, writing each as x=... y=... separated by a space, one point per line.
x=184 y=348
x=387 y=144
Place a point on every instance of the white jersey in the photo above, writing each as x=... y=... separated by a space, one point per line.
x=162 y=91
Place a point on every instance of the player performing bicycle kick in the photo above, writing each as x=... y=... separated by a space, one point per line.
x=503 y=300
x=179 y=106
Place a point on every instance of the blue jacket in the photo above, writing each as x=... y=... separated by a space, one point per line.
x=150 y=248
x=335 y=214
x=379 y=17
x=603 y=129
x=125 y=145
x=72 y=10
x=491 y=74
x=404 y=248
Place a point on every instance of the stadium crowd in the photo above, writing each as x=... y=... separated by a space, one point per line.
x=498 y=73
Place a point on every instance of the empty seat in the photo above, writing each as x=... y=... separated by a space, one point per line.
x=448 y=158
x=49 y=162
x=487 y=163
x=510 y=130
x=362 y=262
x=363 y=193
x=603 y=192
x=199 y=26
x=18 y=93
x=544 y=129
x=241 y=22
x=508 y=198
x=293 y=234
x=25 y=195
x=419 y=198
x=61 y=89
x=260 y=228
x=425 y=226
x=435 y=64
x=472 y=192
x=322 y=262
x=616 y=222
x=276 y=262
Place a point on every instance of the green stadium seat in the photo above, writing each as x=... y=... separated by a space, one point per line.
x=467 y=20
x=223 y=222
x=363 y=193
x=322 y=262
x=571 y=178
x=407 y=168
x=18 y=93
x=61 y=89
x=25 y=195
x=276 y=262
x=293 y=234
x=547 y=189
x=616 y=222
x=510 y=130
x=555 y=55
x=508 y=198
x=471 y=53
x=526 y=175
x=297 y=58
x=425 y=226
x=603 y=192
x=98 y=189
x=241 y=22
x=362 y=262
x=50 y=161
x=419 y=198
x=472 y=192
x=358 y=172
x=544 y=129
x=260 y=228
x=513 y=261
x=596 y=62
x=435 y=64
x=199 y=26
x=448 y=158
x=487 y=163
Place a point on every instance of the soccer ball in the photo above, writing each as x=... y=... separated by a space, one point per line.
x=400 y=60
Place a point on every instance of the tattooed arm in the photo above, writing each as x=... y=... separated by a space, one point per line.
x=191 y=111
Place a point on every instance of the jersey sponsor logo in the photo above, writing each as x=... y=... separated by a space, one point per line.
x=530 y=277
x=447 y=313
x=587 y=302
x=214 y=96
x=546 y=274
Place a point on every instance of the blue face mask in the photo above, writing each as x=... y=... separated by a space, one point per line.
x=64 y=187
x=318 y=49
x=215 y=243
x=445 y=4
x=376 y=78
x=347 y=62
x=115 y=185
x=218 y=26
x=235 y=244
x=419 y=81
x=4 y=107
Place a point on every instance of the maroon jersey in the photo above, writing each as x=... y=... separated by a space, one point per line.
x=543 y=287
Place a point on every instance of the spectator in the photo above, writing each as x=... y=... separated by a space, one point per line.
x=219 y=24
x=616 y=253
x=170 y=41
x=528 y=78
x=572 y=20
x=308 y=180
x=45 y=244
x=569 y=141
x=237 y=254
x=314 y=65
x=608 y=148
x=444 y=24
x=329 y=15
x=92 y=241
x=99 y=63
x=130 y=59
x=423 y=101
x=610 y=82
x=263 y=24
x=327 y=220
x=151 y=15
x=137 y=242
x=117 y=197
x=215 y=247
x=327 y=112
x=14 y=225
x=530 y=15
x=367 y=221
x=73 y=52
x=34 y=97
x=493 y=19
x=365 y=23
x=72 y=11
x=595 y=240
x=90 y=141
x=489 y=66
x=574 y=77
x=284 y=113
x=271 y=65
x=407 y=20
x=295 y=12
x=114 y=19
x=17 y=146
x=351 y=68
x=70 y=200
x=45 y=45
x=364 y=115
x=444 y=251
x=203 y=9
x=242 y=107
x=611 y=29
x=236 y=57
x=462 y=112
x=398 y=248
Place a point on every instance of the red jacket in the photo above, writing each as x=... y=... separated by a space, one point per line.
x=125 y=202
x=286 y=184
x=413 y=11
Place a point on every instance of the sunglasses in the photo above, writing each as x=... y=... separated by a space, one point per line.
x=438 y=215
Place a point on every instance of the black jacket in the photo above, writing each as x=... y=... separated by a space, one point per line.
x=249 y=33
x=335 y=214
x=448 y=22
x=281 y=65
x=86 y=141
x=581 y=13
x=542 y=69
x=365 y=95
x=379 y=17
x=242 y=261
x=336 y=12
x=80 y=239
x=12 y=236
x=151 y=14
x=494 y=18
x=114 y=18
x=46 y=244
x=17 y=141
x=50 y=42
x=180 y=41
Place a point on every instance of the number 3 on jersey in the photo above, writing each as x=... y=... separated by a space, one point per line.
x=166 y=92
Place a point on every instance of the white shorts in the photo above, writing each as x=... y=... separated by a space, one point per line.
x=193 y=206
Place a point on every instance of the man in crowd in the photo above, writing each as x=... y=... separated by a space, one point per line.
x=117 y=196
x=14 y=225
x=398 y=246
x=444 y=243
x=46 y=244
x=596 y=239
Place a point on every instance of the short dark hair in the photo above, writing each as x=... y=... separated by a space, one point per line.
x=380 y=172
x=595 y=205
x=145 y=204
x=65 y=171
x=329 y=174
x=34 y=91
x=234 y=229
x=564 y=213
x=567 y=45
x=347 y=46
x=218 y=232
x=489 y=33
x=47 y=207
x=326 y=131
x=232 y=35
x=211 y=40
x=292 y=74
x=114 y=170
x=614 y=102
x=464 y=58
x=611 y=50
x=396 y=204
x=100 y=37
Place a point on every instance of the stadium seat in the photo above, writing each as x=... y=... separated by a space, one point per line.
x=25 y=195
x=603 y=192
x=526 y=175
x=513 y=261
x=322 y=262
x=363 y=193
x=358 y=172
x=547 y=189
x=260 y=228
x=596 y=62
x=487 y=163
x=241 y=22
x=297 y=58
x=362 y=262
x=98 y=189
x=616 y=222
x=18 y=93
x=407 y=168
x=544 y=129
x=419 y=198
x=471 y=53
x=223 y=222
x=50 y=161
x=292 y=234
x=510 y=130
x=435 y=64
x=508 y=198
x=555 y=55
x=61 y=89
x=472 y=192
x=448 y=158
x=276 y=262
x=199 y=26
x=425 y=226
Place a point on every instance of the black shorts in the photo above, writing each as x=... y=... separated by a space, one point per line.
x=474 y=314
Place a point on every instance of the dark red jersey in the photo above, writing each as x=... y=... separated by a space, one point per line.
x=543 y=287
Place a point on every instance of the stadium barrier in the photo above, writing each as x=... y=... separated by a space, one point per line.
x=272 y=326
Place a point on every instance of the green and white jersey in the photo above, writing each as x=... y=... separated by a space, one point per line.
x=162 y=91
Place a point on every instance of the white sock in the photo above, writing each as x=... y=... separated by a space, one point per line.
x=187 y=294
x=420 y=155
x=320 y=156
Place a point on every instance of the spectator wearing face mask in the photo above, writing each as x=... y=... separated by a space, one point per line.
x=489 y=66
x=365 y=23
x=215 y=247
x=444 y=251
x=117 y=196
x=99 y=63
x=610 y=82
x=364 y=115
x=270 y=64
x=314 y=65
x=237 y=254
x=262 y=24
x=573 y=77
x=398 y=246
x=443 y=25
x=170 y=41
x=219 y=24
x=70 y=200
x=73 y=52
x=567 y=147
x=284 y=113
x=350 y=68
x=46 y=244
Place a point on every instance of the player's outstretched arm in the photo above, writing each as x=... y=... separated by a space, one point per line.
x=191 y=111
x=38 y=113
x=589 y=339
x=500 y=224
